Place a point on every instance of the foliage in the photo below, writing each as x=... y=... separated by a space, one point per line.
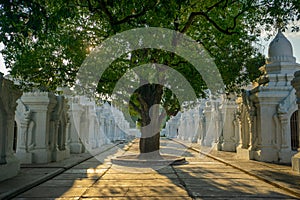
x=47 y=41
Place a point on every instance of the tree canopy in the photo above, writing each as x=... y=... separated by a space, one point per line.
x=47 y=41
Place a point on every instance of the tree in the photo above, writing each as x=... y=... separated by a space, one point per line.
x=46 y=41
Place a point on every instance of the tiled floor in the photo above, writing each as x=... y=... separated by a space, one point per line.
x=200 y=178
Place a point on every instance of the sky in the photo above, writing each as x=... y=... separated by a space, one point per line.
x=293 y=37
x=295 y=40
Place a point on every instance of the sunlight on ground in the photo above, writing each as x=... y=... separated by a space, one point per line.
x=203 y=176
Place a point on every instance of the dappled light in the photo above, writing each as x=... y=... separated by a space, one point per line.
x=201 y=177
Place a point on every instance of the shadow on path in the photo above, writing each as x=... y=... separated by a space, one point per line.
x=201 y=178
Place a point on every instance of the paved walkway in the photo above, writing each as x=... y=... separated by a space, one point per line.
x=215 y=175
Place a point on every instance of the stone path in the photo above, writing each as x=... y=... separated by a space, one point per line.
x=202 y=178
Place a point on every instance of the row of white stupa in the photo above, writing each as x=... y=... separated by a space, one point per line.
x=41 y=127
x=262 y=124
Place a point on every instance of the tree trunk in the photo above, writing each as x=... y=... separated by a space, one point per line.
x=150 y=96
x=149 y=147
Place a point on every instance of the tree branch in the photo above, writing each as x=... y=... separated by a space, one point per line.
x=205 y=15
x=129 y=17
x=113 y=20
x=235 y=19
x=194 y=14
x=227 y=31
x=106 y=11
